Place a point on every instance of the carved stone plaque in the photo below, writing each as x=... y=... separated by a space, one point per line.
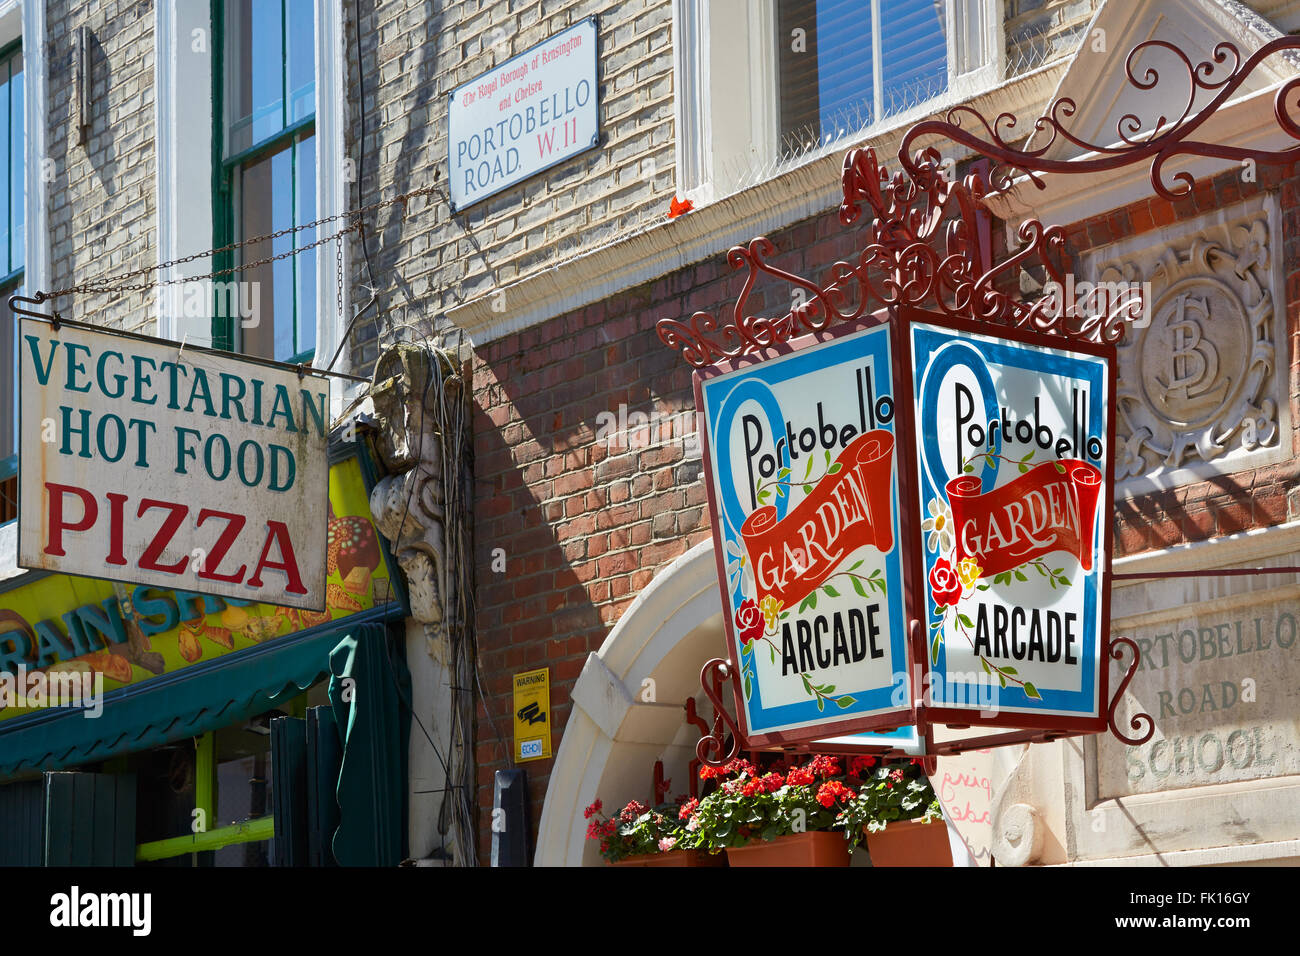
x=1199 y=386
x=1220 y=675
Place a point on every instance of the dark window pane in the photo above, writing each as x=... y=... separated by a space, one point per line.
x=8 y=147
x=254 y=218
x=254 y=73
x=306 y=261
x=796 y=58
x=244 y=793
x=845 y=87
x=9 y=388
x=282 y=213
x=300 y=59
x=276 y=193
x=915 y=61
x=16 y=165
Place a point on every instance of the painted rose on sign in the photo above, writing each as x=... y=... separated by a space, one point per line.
x=803 y=480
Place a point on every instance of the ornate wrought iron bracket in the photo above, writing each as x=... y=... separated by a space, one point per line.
x=712 y=748
x=712 y=742
x=1168 y=138
x=1114 y=651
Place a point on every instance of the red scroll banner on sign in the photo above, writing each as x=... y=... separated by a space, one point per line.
x=1049 y=508
x=844 y=511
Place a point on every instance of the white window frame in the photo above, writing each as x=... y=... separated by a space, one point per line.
x=184 y=122
x=26 y=21
x=726 y=82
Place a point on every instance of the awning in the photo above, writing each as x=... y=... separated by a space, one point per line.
x=188 y=703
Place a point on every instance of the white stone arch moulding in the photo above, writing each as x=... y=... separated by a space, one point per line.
x=613 y=735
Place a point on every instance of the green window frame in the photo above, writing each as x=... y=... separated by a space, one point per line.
x=12 y=261
x=266 y=152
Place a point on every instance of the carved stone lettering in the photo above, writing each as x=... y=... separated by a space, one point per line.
x=1224 y=689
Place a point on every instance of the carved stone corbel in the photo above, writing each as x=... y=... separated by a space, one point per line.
x=418 y=398
x=408 y=504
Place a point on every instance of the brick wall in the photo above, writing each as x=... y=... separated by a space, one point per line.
x=102 y=195
x=413 y=58
x=586 y=527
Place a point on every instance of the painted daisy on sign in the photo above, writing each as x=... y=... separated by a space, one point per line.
x=938 y=527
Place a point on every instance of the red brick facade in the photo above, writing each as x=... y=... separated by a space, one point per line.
x=584 y=528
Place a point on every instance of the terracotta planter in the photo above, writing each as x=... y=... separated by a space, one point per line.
x=674 y=858
x=910 y=843
x=819 y=848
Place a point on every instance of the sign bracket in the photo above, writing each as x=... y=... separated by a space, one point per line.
x=712 y=749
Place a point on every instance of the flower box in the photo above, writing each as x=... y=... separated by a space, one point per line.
x=910 y=843
x=674 y=858
x=815 y=848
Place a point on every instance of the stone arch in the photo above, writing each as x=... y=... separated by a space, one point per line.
x=613 y=736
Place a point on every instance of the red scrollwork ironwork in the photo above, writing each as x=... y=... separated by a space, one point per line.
x=692 y=769
x=1135 y=722
x=917 y=206
x=1168 y=138
x=712 y=748
x=901 y=265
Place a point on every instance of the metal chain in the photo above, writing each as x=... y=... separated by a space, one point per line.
x=119 y=284
x=338 y=248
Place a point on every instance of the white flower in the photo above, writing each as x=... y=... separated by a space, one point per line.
x=739 y=574
x=939 y=526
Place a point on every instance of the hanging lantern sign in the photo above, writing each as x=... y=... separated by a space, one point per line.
x=802 y=471
x=1014 y=456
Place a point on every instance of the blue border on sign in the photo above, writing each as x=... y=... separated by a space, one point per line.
x=1087 y=370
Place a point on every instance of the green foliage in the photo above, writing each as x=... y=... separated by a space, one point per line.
x=883 y=799
x=852 y=795
x=637 y=830
x=730 y=819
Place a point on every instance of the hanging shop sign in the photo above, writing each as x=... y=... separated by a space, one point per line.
x=802 y=471
x=531 y=112
x=145 y=464
x=60 y=628
x=1014 y=471
x=532 y=705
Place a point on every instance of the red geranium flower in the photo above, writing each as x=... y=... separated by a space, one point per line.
x=832 y=791
x=592 y=810
x=679 y=206
x=799 y=777
x=859 y=764
x=825 y=766
x=633 y=810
